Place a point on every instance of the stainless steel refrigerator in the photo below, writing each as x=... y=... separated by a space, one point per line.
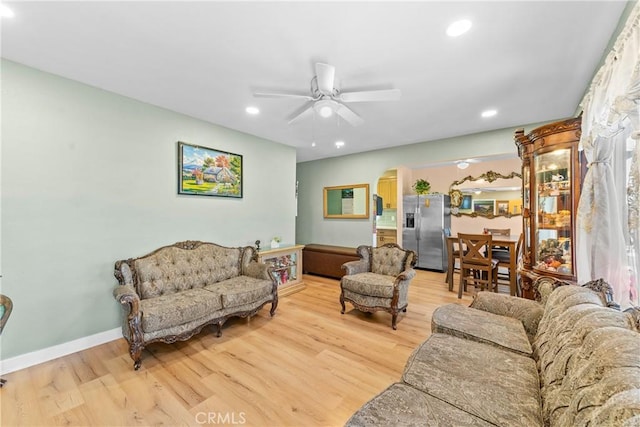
x=424 y=219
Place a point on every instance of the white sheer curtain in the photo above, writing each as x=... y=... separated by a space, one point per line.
x=607 y=219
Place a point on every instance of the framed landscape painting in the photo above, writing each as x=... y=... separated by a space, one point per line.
x=206 y=171
x=484 y=207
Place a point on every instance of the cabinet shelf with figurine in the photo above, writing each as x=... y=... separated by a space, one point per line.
x=552 y=174
x=286 y=267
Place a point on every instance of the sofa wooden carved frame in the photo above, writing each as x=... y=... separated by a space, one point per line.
x=134 y=316
x=393 y=309
x=600 y=286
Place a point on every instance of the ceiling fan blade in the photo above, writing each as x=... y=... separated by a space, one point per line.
x=371 y=95
x=300 y=113
x=349 y=116
x=325 y=74
x=281 y=95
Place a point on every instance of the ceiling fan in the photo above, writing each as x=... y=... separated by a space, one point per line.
x=326 y=100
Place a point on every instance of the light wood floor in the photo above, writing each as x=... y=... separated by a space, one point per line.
x=307 y=366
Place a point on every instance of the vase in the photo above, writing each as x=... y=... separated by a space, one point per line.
x=275 y=244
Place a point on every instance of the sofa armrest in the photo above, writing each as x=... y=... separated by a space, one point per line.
x=257 y=270
x=355 y=267
x=123 y=272
x=527 y=311
x=127 y=296
x=130 y=302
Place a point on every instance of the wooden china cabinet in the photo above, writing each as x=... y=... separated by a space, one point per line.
x=552 y=174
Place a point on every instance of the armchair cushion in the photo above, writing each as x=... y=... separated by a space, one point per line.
x=372 y=284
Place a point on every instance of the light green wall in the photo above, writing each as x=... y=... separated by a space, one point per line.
x=313 y=176
x=90 y=177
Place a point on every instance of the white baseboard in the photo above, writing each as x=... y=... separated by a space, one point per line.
x=40 y=356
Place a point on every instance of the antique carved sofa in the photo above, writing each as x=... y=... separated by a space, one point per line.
x=379 y=280
x=572 y=359
x=171 y=293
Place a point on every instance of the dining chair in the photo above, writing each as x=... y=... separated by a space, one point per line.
x=504 y=257
x=6 y=306
x=499 y=232
x=454 y=255
x=476 y=263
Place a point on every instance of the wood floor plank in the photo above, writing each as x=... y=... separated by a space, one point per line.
x=308 y=365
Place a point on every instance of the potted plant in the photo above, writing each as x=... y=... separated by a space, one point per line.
x=421 y=186
x=275 y=242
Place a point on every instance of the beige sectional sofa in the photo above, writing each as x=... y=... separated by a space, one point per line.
x=171 y=293
x=571 y=359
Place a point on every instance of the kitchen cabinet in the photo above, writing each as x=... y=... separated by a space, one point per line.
x=286 y=267
x=386 y=236
x=552 y=175
x=388 y=190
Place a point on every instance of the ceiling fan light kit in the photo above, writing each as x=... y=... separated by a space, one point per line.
x=325 y=107
x=325 y=99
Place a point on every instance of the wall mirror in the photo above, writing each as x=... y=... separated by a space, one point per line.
x=489 y=195
x=347 y=201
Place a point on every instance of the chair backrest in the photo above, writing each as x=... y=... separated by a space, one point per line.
x=391 y=259
x=478 y=250
x=454 y=245
x=499 y=231
x=6 y=306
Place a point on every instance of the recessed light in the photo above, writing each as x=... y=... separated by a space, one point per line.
x=339 y=144
x=489 y=113
x=313 y=144
x=5 y=12
x=252 y=110
x=458 y=28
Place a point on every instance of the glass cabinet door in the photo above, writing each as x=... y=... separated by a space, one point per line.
x=552 y=205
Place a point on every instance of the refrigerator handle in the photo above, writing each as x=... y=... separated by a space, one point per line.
x=418 y=223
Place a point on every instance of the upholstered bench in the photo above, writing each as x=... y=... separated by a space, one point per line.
x=327 y=260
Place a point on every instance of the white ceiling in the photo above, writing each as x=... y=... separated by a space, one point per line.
x=532 y=61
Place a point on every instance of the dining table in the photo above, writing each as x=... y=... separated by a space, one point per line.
x=509 y=242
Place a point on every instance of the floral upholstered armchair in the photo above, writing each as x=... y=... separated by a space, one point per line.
x=379 y=280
